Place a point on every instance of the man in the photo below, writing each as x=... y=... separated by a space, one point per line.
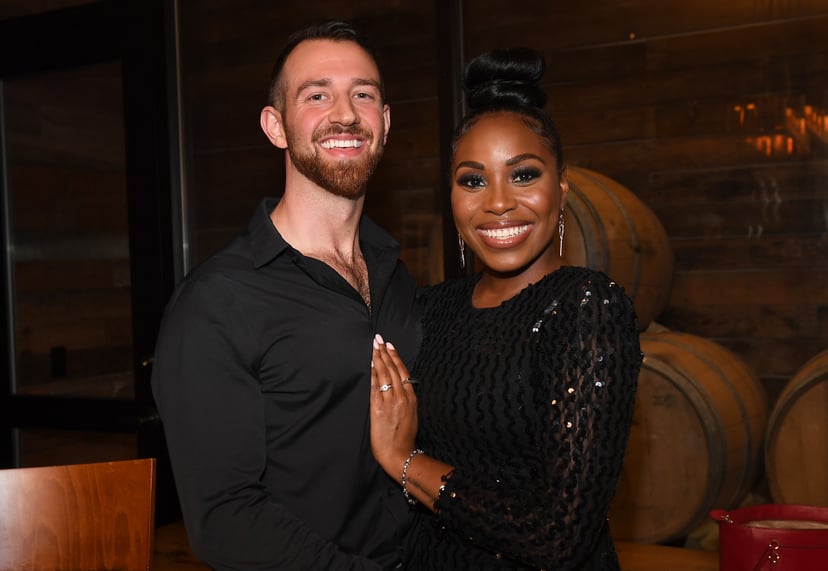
x=262 y=367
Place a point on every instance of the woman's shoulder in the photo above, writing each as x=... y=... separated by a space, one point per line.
x=576 y=281
x=583 y=274
x=581 y=288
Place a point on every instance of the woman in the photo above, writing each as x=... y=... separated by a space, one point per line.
x=528 y=369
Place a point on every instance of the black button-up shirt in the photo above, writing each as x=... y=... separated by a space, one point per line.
x=262 y=378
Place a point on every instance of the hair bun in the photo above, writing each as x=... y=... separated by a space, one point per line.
x=505 y=78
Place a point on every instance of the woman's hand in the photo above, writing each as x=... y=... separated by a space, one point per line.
x=393 y=409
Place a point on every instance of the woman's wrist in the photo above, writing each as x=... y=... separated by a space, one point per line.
x=392 y=462
x=404 y=477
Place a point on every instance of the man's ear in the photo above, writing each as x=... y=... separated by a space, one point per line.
x=273 y=126
x=386 y=115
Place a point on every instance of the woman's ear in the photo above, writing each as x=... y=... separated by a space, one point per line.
x=564 y=187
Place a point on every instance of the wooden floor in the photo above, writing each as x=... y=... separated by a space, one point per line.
x=173 y=554
x=641 y=557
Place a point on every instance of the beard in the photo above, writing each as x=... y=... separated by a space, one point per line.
x=346 y=178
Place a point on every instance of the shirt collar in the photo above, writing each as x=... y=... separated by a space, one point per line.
x=268 y=244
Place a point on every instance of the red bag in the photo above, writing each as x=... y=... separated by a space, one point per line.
x=773 y=537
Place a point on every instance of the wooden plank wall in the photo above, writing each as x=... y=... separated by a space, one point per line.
x=714 y=114
x=697 y=107
x=227 y=52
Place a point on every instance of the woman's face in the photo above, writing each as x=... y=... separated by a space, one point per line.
x=506 y=195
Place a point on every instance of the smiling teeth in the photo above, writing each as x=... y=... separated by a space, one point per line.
x=502 y=233
x=338 y=144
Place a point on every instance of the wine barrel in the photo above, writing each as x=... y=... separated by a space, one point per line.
x=796 y=449
x=696 y=439
x=609 y=229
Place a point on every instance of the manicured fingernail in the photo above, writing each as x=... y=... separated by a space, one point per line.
x=390 y=346
x=379 y=338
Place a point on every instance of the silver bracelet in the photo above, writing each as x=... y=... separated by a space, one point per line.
x=404 y=479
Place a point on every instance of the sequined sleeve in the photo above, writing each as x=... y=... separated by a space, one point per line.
x=550 y=509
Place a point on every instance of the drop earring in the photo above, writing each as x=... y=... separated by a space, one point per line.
x=561 y=230
x=462 y=246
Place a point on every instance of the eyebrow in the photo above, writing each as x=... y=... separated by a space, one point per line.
x=471 y=165
x=525 y=156
x=512 y=161
x=313 y=83
x=368 y=82
x=327 y=82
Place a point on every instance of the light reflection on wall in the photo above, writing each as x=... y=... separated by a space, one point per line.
x=792 y=137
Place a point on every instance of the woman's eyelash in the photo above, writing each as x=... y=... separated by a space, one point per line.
x=526 y=174
x=471 y=180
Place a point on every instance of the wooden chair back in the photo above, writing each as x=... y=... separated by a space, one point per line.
x=78 y=517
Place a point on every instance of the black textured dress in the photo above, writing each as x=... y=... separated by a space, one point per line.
x=531 y=401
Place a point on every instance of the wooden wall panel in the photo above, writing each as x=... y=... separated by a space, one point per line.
x=751 y=252
x=751 y=218
x=698 y=108
x=693 y=106
x=796 y=179
x=228 y=49
x=715 y=113
x=567 y=25
x=771 y=286
x=231 y=183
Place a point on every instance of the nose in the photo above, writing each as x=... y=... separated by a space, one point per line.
x=498 y=199
x=343 y=111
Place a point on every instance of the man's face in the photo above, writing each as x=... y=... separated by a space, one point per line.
x=334 y=119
